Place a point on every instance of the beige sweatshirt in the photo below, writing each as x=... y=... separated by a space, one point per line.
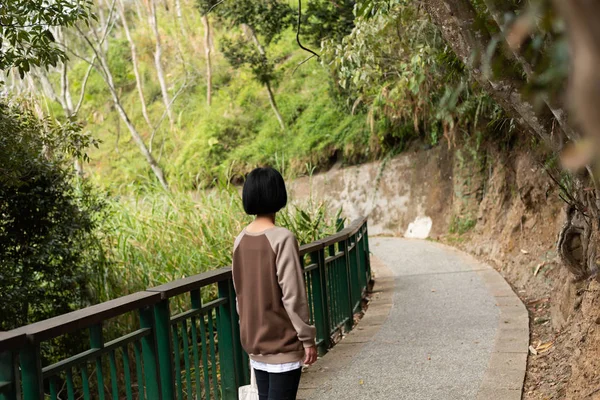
x=272 y=303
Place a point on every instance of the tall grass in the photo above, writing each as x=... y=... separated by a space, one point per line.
x=161 y=236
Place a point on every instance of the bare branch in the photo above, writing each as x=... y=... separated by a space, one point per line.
x=207 y=51
x=84 y=85
x=303 y=61
x=158 y=61
x=215 y=6
x=164 y=114
x=136 y=72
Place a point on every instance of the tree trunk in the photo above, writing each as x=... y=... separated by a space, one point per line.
x=47 y=87
x=207 y=50
x=84 y=85
x=106 y=74
x=105 y=20
x=65 y=99
x=69 y=111
x=180 y=20
x=158 y=63
x=138 y=10
x=134 y=133
x=274 y=105
x=467 y=36
x=66 y=90
x=134 y=62
x=158 y=172
x=262 y=52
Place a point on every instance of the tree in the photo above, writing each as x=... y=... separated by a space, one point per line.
x=205 y=6
x=467 y=34
x=26 y=31
x=180 y=20
x=265 y=18
x=48 y=247
x=134 y=63
x=63 y=95
x=153 y=19
x=465 y=30
x=95 y=43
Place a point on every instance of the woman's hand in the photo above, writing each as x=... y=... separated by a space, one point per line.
x=310 y=355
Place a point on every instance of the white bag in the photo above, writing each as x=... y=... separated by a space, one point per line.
x=249 y=392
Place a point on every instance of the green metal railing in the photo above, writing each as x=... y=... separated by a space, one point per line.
x=192 y=354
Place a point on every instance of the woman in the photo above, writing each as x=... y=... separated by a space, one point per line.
x=269 y=284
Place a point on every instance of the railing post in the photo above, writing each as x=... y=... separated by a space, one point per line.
x=7 y=374
x=227 y=346
x=321 y=317
x=149 y=353
x=354 y=273
x=363 y=259
x=97 y=342
x=361 y=274
x=242 y=362
x=31 y=372
x=162 y=330
x=348 y=281
x=367 y=252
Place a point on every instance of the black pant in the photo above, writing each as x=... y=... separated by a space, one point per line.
x=278 y=386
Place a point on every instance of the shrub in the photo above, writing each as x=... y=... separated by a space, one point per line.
x=48 y=250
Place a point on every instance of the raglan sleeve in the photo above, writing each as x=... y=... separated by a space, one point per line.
x=235 y=246
x=291 y=281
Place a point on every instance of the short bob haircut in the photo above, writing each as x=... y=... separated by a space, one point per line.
x=264 y=192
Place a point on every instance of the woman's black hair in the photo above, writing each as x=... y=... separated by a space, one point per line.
x=264 y=192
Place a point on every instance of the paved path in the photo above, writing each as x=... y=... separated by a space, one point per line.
x=449 y=328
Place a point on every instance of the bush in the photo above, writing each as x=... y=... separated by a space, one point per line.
x=48 y=250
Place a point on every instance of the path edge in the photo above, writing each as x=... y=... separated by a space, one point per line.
x=504 y=377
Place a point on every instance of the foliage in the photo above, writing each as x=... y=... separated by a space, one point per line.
x=48 y=246
x=461 y=224
x=268 y=18
x=395 y=64
x=205 y=6
x=328 y=20
x=537 y=34
x=256 y=17
x=311 y=220
x=26 y=31
x=240 y=53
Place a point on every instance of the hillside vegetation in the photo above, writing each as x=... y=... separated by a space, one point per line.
x=370 y=93
x=236 y=132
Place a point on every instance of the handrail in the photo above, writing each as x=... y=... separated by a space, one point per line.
x=184 y=285
x=337 y=275
x=12 y=340
x=86 y=317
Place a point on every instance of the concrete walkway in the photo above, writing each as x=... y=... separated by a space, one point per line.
x=440 y=326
